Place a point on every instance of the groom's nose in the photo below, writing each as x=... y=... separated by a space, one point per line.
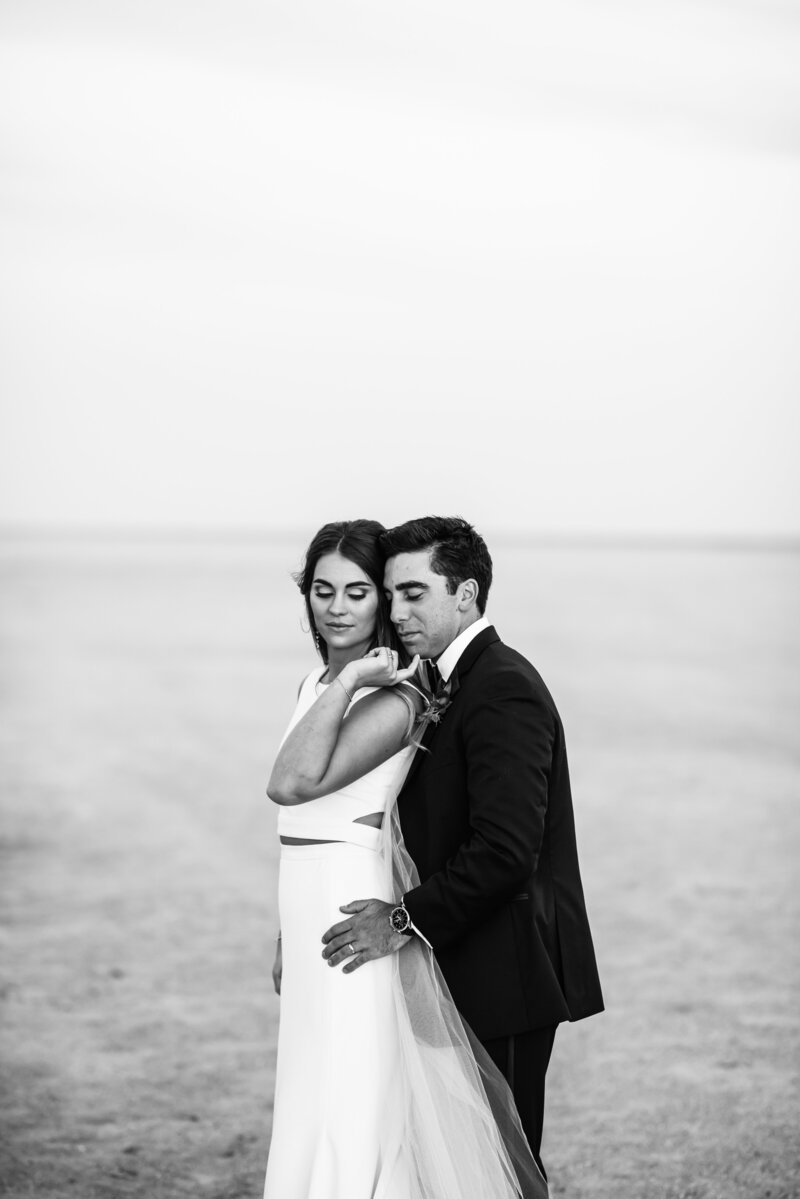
x=397 y=613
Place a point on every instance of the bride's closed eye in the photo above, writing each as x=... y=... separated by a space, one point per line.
x=353 y=595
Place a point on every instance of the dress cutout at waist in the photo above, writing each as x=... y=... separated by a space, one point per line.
x=332 y=817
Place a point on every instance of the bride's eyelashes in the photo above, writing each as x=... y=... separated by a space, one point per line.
x=353 y=595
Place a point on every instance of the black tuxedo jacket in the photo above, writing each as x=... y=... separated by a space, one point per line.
x=487 y=817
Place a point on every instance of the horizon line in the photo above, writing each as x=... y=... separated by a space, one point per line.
x=586 y=538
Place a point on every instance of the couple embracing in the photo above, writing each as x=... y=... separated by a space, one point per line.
x=433 y=927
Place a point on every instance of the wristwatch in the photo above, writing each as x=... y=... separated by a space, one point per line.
x=401 y=921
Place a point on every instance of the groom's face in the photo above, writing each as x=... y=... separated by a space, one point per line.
x=426 y=616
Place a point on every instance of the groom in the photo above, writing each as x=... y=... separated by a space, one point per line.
x=487 y=817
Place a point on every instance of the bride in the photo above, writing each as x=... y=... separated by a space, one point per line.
x=381 y=1090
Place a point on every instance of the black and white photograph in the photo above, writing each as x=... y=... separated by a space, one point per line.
x=399 y=593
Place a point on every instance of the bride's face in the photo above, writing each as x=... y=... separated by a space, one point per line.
x=344 y=601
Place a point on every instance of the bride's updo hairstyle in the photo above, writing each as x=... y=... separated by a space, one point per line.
x=358 y=541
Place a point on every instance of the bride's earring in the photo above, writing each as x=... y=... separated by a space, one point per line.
x=316 y=640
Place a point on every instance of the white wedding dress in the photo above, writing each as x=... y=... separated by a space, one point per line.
x=381 y=1090
x=336 y=1131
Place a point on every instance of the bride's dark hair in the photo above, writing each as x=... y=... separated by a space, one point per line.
x=358 y=541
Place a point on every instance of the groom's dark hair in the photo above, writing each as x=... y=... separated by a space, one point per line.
x=456 y=550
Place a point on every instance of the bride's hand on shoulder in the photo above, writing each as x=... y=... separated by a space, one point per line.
x=380 y=668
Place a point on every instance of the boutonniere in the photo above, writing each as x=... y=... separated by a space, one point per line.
x=436 y=707
x=438 y=697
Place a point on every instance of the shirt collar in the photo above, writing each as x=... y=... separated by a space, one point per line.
x=448 y=660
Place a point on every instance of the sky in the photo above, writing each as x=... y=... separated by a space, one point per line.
x=272 y=264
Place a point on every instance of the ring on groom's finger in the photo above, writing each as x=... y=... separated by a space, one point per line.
x=352 y=949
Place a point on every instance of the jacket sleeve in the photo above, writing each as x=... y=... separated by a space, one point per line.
x=509 y=737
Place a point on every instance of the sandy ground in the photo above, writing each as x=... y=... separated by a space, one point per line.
x=143 y=692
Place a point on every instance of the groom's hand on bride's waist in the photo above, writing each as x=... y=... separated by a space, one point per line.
x=365 y=934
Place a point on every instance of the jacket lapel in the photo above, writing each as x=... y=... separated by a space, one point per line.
x=474 y=650
x=462 y=668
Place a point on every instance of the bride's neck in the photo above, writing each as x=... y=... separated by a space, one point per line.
x=337 y=663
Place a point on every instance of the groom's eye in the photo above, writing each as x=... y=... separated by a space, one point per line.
x=413 y=595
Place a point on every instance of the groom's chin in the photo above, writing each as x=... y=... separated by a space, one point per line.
x=414 y=645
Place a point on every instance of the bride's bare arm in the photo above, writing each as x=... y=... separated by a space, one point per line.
x=326 y=751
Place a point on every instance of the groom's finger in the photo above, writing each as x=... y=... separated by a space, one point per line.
x=338 y=946
x=342 y=954
x=355 y=962
x=337 y=930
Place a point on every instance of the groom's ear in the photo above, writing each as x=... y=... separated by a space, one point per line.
x=467 y=595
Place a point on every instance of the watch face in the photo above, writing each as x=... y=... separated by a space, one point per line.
x=399 y=919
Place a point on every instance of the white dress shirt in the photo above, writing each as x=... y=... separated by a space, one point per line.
x=448 y=660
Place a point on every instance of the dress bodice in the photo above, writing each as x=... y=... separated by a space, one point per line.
x=332 y=817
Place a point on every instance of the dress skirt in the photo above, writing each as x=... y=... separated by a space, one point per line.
x=336 y=1130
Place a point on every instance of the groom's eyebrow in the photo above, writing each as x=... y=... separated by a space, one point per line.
x=401 y=587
